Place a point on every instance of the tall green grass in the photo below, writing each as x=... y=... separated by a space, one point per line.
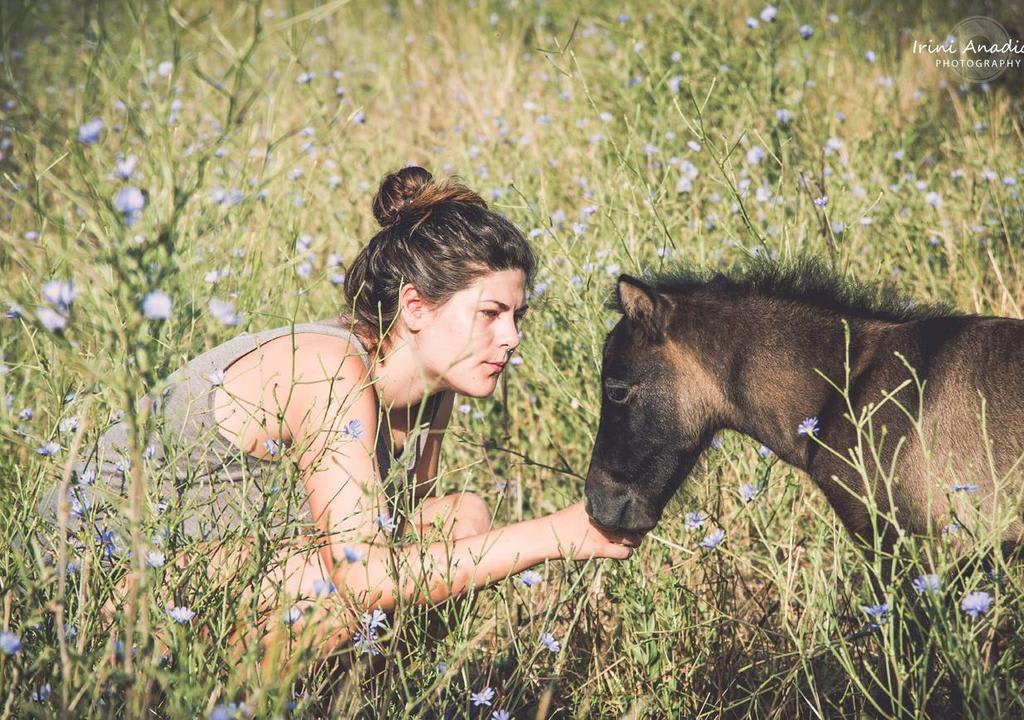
x=622 y=139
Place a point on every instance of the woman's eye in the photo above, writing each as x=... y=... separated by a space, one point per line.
x=617 y=393
x=491 y=313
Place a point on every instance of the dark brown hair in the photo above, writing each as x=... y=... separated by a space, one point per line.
x=436 y=234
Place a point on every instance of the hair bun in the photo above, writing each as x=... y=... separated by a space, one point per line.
x=396 y=191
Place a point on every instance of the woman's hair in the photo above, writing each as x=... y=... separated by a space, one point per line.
x=436 y=234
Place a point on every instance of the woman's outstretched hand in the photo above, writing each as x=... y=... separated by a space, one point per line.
x=582 y=539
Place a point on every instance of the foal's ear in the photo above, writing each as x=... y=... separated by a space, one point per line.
x=639 y=303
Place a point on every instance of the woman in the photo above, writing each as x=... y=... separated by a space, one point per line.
x=437 y=294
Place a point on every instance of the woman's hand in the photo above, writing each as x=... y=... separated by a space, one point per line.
x=582 y=539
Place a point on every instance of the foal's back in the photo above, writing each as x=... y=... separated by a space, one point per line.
x=967 y=457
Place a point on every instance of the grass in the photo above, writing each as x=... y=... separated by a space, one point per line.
x=616 y=156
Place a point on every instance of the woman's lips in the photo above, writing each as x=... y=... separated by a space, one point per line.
x=497 y=366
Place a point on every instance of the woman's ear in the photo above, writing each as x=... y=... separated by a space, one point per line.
x=413 y=308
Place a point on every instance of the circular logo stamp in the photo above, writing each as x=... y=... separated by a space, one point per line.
x=983 y=49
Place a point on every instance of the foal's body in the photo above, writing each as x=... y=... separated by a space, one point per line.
x=960 y=360
x=691 y=357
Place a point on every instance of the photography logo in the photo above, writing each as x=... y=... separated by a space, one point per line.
x=978 y=48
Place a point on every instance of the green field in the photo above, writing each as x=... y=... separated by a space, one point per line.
x=621 y=139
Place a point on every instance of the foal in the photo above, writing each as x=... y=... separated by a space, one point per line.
x=765 y=351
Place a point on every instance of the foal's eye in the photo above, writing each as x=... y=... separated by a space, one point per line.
x=617 y=392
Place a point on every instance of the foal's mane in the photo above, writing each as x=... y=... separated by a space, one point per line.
x=805 y=278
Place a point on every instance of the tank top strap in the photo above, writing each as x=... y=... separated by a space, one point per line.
x=323 y=327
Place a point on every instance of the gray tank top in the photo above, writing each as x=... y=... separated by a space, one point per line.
x=219 y=475
x=190 y=394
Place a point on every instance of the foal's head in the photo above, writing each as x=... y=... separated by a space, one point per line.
x=658 y=409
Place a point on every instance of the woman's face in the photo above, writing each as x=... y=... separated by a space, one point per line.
x=467 y=340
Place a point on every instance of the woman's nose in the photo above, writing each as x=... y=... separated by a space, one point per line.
x=513 y=337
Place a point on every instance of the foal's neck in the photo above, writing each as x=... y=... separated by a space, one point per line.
x=767 y=360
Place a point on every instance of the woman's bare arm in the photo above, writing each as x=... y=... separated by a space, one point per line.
x=436 y=571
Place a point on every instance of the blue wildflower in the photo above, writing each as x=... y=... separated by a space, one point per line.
x=60 y=294
x=49 y=449
x=51 y=320
x=125 y=167
x=806 y=31
x=181 y=614
x=106 y=540
x=694 y=520
x=366 y=639
x=231 y=711
x=155 y=559
x=130 y=202
x=156 y=305
x=484 y=697
x=928 y=583
x=292 y=615
x=878 y=613
x=976 y=604
x=79 y=505
x=353 y=429
x=375 y=620
x=352 y=555
x=529 y=578
x=713 y=539
x=500 y=715
x=385 y=522
x=224 y=311
x=273 y=447
x=769 y=13
x=9 y=643
x=366 y=642
x=43 y=693
x=322 y=588
x=548 y=641
x=749 y=492
x=89 y=132
x=809 y=426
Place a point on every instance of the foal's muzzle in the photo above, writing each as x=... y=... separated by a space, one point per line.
x=618 y=515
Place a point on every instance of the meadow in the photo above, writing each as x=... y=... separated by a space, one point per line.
x=175 y=173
